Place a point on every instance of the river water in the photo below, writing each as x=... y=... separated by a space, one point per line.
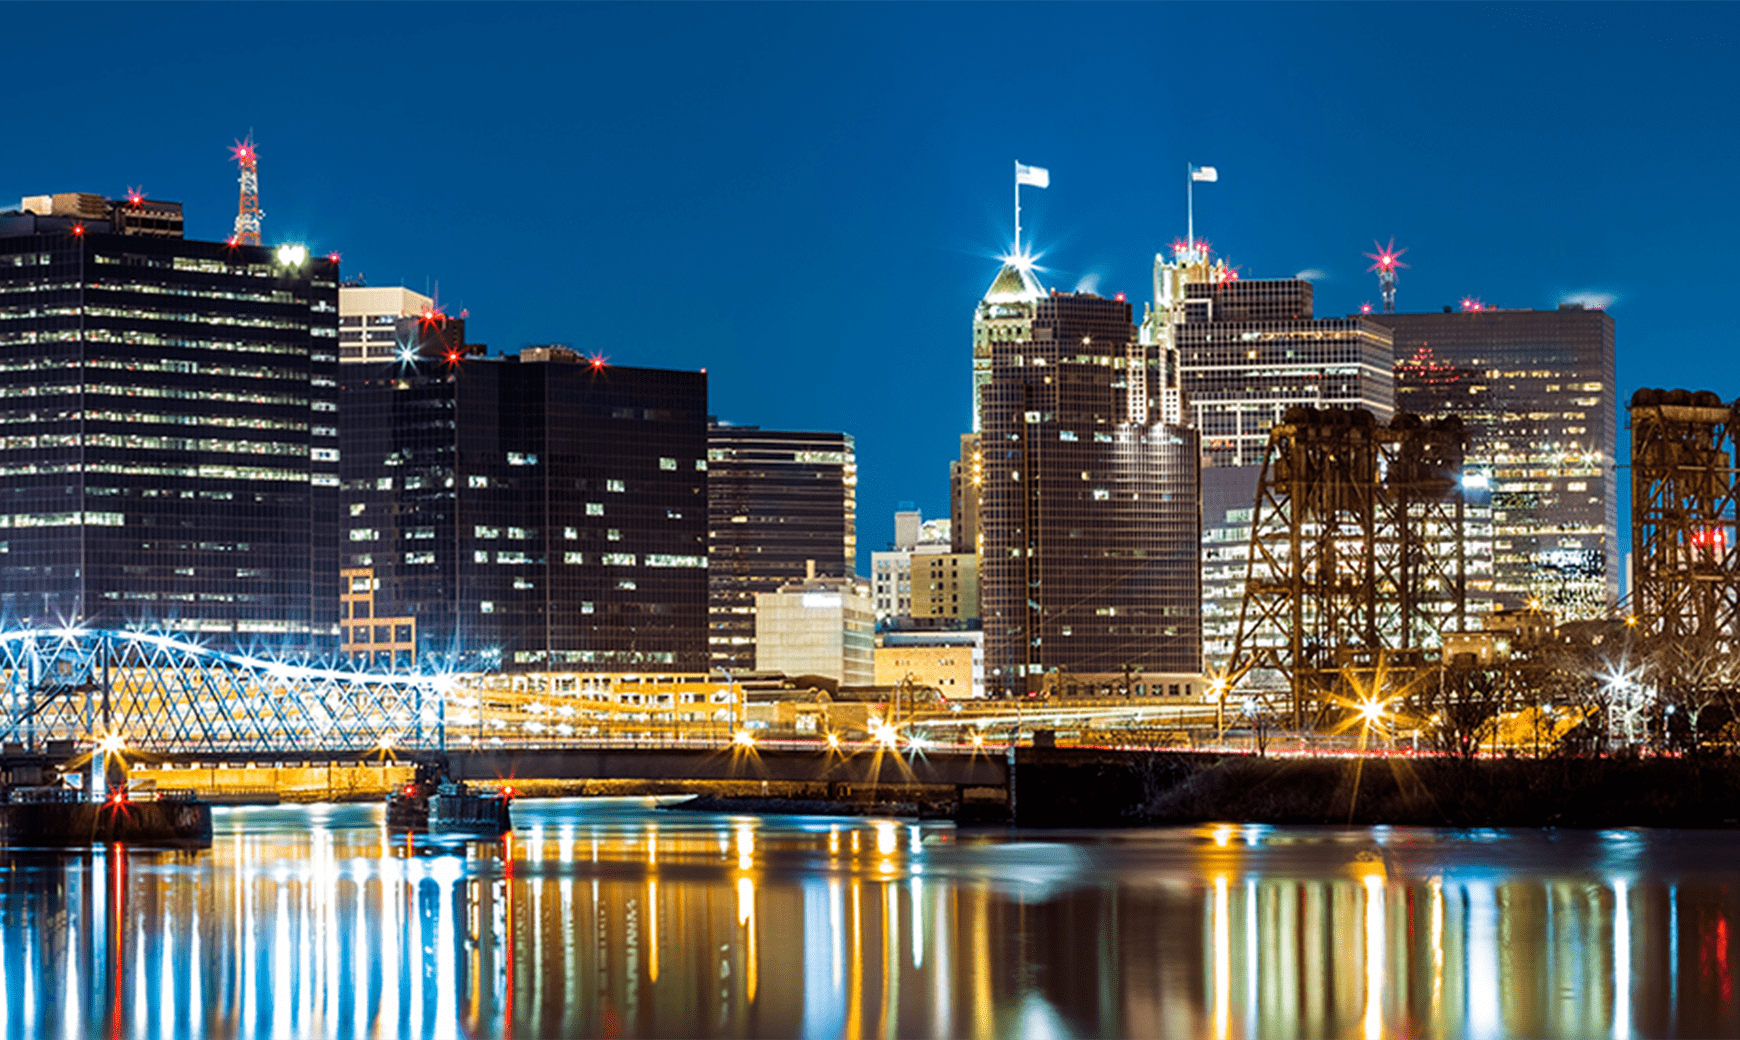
x=610 y=918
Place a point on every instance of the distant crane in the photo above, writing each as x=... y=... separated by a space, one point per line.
x=247 y=231
x=1386 y=260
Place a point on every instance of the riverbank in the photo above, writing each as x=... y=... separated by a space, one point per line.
x=1439 y=792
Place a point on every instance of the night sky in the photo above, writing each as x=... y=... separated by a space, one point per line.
x=807 y=200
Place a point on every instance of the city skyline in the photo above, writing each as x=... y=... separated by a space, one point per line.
x=663 y=170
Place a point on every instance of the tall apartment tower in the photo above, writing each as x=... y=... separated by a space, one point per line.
x=1248 y=351
x=530 y=511
x=170 y=441
x=777 y=502
x=1537 y=394
x=1088 y=499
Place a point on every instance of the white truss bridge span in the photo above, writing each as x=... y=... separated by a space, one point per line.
x=164 y=693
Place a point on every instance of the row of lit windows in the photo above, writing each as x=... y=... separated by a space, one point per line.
x=161 y=289
x=187 y=367
x=152 y=339
x=74 y=519
x=253 y=321
x=34 y=287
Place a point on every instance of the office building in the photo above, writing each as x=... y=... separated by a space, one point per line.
x=1250 y=350
x=1536 y=392
x=817 y=626
x=1247 y=351
x=780 y=504
x=168 y=427
x=950 y=662
x=1088 y=504
x=535 y=511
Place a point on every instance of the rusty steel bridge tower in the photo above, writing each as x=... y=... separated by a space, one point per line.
x=1357 y=560
x=1685 y=494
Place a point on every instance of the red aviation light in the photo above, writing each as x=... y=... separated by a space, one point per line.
x=1710 y=539
x=1365 y=308
x=598 y=361
x=335 y=256
x=1472 y=304
x=1119 y=297
x=135 y=197
x=453 y=357
x=78 y=230
x=1387 y=258
x=431 y=315
x=243 y=152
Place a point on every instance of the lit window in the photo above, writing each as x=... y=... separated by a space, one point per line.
x=1101 y=494
x=667 y=463
x=585 y=608
x=356 y=508
x=573 y=557
x=615 y=485
x=364 y=534
x=595 y=509
x=570 y=533
x=486 y=607
x=477 y=481
x=626 y=584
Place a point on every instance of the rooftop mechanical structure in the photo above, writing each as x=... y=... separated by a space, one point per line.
x=1685 y=497
x=1357 y=561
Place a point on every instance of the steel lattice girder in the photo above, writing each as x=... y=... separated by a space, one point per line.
x=1685 y=486
x=162 y=693
x=1356 y=547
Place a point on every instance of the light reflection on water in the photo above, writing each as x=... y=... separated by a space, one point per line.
x=606 y=918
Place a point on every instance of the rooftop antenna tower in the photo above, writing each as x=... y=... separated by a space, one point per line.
x=1384 y=262
x=247 y=232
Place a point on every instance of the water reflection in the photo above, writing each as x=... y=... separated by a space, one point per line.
x=605 y=919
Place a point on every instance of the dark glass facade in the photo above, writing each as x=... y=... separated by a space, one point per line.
x=533 y=511
x=776 y=500
x=1536 y=392
x=168 y=431
x=1090 y=521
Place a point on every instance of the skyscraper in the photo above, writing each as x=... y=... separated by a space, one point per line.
x=1088 y=504
x=531 y=511
x=1536 y=392
x=776 y=500
x=1248 y=351
x=170 y=431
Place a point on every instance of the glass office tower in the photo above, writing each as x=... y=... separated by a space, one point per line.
x=532 y=511
x=168 y=427
x=777 y=500
x=1536 y=392
x=1088 y=505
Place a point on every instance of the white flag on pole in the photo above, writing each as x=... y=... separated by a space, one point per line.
x=1204 y=173
x=1037 y=176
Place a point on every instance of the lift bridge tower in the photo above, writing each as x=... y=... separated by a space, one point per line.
x=1685 y=494
x=1357 y=563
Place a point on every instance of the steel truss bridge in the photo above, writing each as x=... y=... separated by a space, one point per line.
x=163 y=693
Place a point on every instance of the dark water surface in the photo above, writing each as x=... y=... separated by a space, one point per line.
x=604 y=917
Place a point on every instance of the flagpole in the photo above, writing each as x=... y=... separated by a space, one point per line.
x=1018 y=207
x=1189 y=213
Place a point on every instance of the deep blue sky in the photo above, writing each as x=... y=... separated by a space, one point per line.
x=806 y=200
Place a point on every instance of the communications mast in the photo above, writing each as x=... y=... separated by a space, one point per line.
x=1386 y=260
x=247 y=232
